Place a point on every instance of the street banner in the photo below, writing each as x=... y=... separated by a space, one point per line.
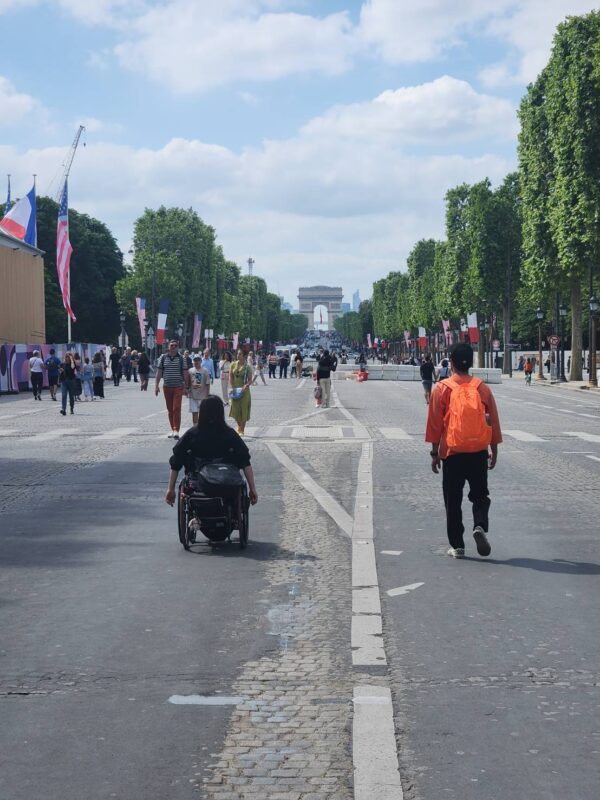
x=407 y=338
x=473 y=329
x=140 y=304
x=161 y=326
x=235 y=339
x=198 y=317
x=447 y=331
x=463 y=330
x=422 y=337
x=369 y=344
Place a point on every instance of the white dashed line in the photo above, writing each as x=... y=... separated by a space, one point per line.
x=524 y=436
x=410 y=587
x=396 y=434
x=374 y=753
x=587 y=437
x=117 y=433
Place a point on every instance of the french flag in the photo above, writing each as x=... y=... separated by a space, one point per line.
x=20 y=220
x=473 y=329
x=422 y=338
x=163 y=309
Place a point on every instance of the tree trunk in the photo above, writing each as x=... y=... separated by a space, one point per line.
x=506 y=364
x=576 y=331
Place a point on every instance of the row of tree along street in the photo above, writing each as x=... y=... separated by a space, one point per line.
x=175 y=256
x=533 y=243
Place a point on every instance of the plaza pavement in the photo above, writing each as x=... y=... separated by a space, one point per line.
x=343 y=653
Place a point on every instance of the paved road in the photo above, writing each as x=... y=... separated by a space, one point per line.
x=491 y=664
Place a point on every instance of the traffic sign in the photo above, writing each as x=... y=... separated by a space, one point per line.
x=554 y=340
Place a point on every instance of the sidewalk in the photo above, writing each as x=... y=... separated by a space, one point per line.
x=572 y=385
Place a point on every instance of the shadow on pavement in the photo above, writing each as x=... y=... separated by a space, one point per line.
x=256 y=550
x=557 y=565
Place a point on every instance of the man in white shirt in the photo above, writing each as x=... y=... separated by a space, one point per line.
x=36 y=373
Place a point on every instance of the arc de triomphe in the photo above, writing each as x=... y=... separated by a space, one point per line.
x=309 y=297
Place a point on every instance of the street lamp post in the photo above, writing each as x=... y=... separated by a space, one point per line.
x=562 y=313
x=122 y=318
x=179 y=333
x=593 y=380
x=482 y=347
x=150 y=340
x=540 y=317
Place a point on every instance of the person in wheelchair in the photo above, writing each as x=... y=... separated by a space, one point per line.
x=210 y=440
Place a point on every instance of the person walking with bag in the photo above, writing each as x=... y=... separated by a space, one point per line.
x=240 y=379
x=463 y=429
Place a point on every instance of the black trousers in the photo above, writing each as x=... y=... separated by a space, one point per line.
x=471 y=467
x=98 y=386
x=272 y=368
x=37 y=381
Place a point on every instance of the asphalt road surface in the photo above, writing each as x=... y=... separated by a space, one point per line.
x=131 y=669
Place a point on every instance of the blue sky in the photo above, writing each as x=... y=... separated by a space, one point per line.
x=318 y=137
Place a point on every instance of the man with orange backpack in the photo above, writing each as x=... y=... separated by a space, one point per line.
x=464 y=432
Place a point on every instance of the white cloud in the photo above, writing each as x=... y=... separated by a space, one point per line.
x=404 y=32
x=191 y=47
x=445 y=109
x=529 y=28
x=347 y=197
x=14 y=105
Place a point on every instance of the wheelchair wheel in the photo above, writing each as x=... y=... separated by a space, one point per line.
x=244 y=518
x=182 y=520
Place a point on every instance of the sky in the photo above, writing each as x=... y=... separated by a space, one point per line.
x=317 y=136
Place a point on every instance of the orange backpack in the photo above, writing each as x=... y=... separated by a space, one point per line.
x=467 y=429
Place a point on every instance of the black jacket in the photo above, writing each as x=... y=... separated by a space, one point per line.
x=209 y=444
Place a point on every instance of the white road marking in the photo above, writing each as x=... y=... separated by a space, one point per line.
x=587 y=437
x=374 y=755
x=524 y=436
x=397 y=434
x=8 y=433
x=204 y=700
x=331 y=506
x=391 y=552
x=49 y=436
x=156 y=414
x=317 y=432
x=22 y=413
x=593 y=458
x=117 y=433
x=410 y=587
x=301 y=384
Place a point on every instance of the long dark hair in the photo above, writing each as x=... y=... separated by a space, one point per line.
x=211 y=413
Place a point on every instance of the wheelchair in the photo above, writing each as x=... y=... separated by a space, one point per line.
x=216 y=514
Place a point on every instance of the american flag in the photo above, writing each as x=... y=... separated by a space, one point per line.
x=63 y=251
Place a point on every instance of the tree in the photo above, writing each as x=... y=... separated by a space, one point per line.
x=174 y=252
x=560 y=132
x=96 y=265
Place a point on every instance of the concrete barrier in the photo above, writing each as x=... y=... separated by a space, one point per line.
x=405 y=372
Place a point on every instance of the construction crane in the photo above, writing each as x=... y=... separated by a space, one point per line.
x=69 y=162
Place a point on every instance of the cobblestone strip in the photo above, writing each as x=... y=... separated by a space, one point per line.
x=291 y=737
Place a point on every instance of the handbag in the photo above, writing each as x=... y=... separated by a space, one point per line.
x=214 y=477
x=317 y=392
x=235 y=394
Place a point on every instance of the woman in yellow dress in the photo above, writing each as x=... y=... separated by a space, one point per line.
x=240 y=378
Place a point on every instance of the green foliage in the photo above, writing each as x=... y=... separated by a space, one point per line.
x=96 y=264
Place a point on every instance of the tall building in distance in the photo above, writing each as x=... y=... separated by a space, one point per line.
x=355 y=301
x=346 y=307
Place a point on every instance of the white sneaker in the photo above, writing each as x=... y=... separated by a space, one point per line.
x=456 y=552
x=481 y=540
